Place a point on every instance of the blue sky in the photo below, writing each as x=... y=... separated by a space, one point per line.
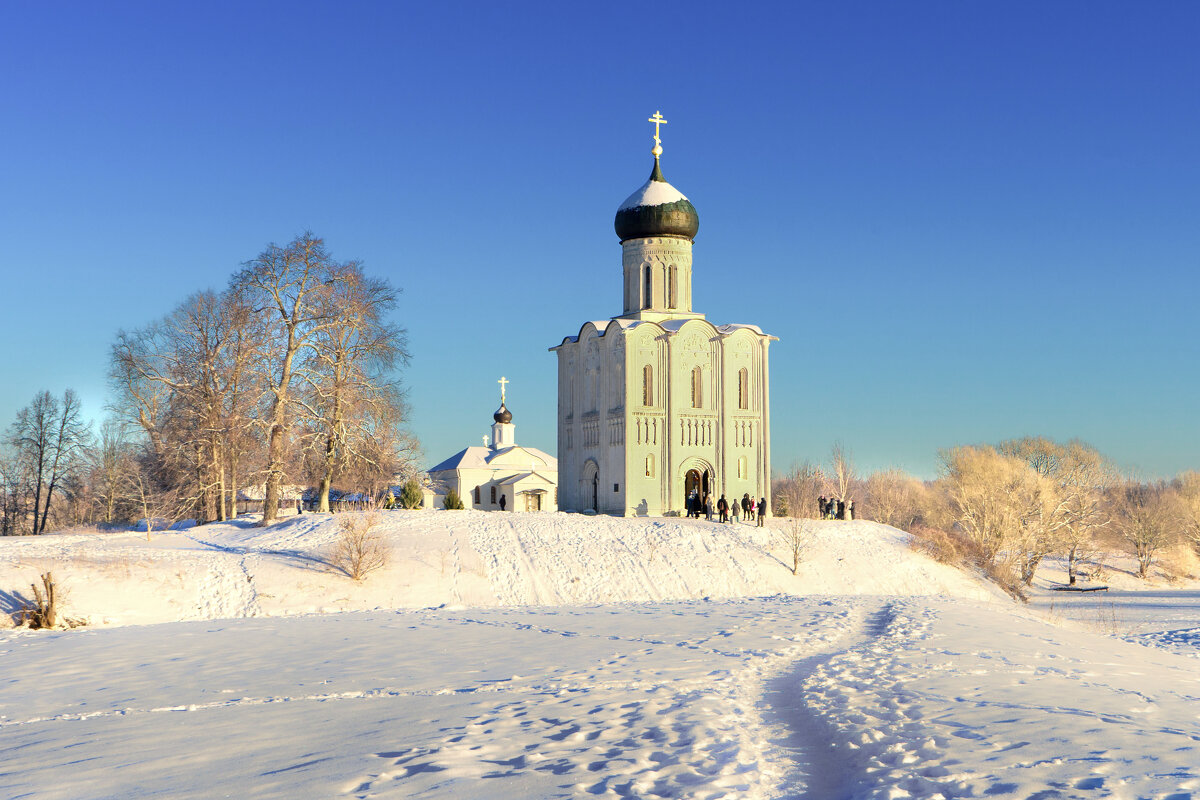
x=964 y=221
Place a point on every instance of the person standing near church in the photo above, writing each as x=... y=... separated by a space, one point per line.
x=733 y=511
x=503 y=502
x=746 y=506
x=762 y=510
x=708 y=508
x=723 y=509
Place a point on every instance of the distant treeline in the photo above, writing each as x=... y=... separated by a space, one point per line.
x=1005 y=508
x=287 y=377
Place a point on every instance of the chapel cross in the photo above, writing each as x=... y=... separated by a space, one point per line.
x=503 y=383
x=657 y=119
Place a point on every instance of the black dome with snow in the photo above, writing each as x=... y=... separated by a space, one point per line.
x=656 y=209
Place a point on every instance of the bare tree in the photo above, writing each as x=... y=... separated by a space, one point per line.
x=894 y=498
x=799 y=489
x=842 y=475
x=50 y=435
x=796 y=535
x=1148 y=518
x=350 y=376
x=294 y=287
x=1187 y=487
x=992 y=496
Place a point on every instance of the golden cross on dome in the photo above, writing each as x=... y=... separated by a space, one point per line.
x=657 y=119
x=503 y=383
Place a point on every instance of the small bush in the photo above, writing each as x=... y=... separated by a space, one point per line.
x=359 y=549
x=452 y=502
x=43 y=612
x=410 y=495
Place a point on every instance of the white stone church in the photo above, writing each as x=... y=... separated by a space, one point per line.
x=658 y=401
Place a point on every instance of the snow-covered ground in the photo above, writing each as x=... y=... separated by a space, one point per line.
x=538 y=656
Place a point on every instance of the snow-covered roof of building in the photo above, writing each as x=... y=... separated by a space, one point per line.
x=509 y=457
x=524 y=476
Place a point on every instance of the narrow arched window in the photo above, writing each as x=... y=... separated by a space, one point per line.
x=646 y=298
x=647 y=385
x=743 y=388
x=476 y=495
x=672 y=292
x=493 y=495
x=650 y=466
x=697 y=388
x=742 y=467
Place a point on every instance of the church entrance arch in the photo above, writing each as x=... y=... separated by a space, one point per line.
x=698 y=475
x=591 y=486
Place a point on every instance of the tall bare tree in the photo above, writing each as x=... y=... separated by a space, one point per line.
x=50 y=435
x=294 y=287
x=349 y=375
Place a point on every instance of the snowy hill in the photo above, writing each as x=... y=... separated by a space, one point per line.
x=483 y=665
x=465 y=559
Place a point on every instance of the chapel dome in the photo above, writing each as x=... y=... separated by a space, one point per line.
x=657 y=209
x=502 y=415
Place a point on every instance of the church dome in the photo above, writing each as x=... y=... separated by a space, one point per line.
x=657 y=209
x=502 y=415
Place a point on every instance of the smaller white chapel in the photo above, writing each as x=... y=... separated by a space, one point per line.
x=501 y=475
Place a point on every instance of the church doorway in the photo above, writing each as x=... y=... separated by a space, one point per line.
x=695 y=480
x=596 y=493
x=533 y=501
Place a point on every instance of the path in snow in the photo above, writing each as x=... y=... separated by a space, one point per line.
x=829 y=698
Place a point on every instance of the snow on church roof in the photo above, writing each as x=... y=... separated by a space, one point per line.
x=652 y=193
x=482 y=457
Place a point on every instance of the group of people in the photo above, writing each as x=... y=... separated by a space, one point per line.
x=835 y=509
x=747 y=508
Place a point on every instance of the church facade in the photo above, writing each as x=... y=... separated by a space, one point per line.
x=658 y=402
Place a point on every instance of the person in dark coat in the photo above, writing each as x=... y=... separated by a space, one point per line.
x=746 y=506
x=841 y=509
x=762 y=510
x=503 y=502
x=821 y=506
x=723 y=509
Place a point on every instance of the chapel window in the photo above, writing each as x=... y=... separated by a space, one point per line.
x=743 y=388
x=742 y=467
x=672 y=294
x=650 y=466
x=646 y=303
x=476 y=495
x=647 y=385
x=697 y=388
x=493 y=495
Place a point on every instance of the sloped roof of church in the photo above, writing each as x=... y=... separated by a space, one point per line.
x=483 y=457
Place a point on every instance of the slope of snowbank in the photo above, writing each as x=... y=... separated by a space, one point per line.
x=464 y=559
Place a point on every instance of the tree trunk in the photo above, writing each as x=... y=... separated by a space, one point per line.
x=274 y=474
x=326 y=476
x=233 y=484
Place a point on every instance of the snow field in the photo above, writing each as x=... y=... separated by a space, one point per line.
x=875 y=673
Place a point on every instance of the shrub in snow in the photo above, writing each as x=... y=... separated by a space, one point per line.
x=410 y=495
x=359 y=549
x=453 y=502
x=43 y=611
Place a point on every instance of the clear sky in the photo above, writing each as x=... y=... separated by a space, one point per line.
x=964 y=221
